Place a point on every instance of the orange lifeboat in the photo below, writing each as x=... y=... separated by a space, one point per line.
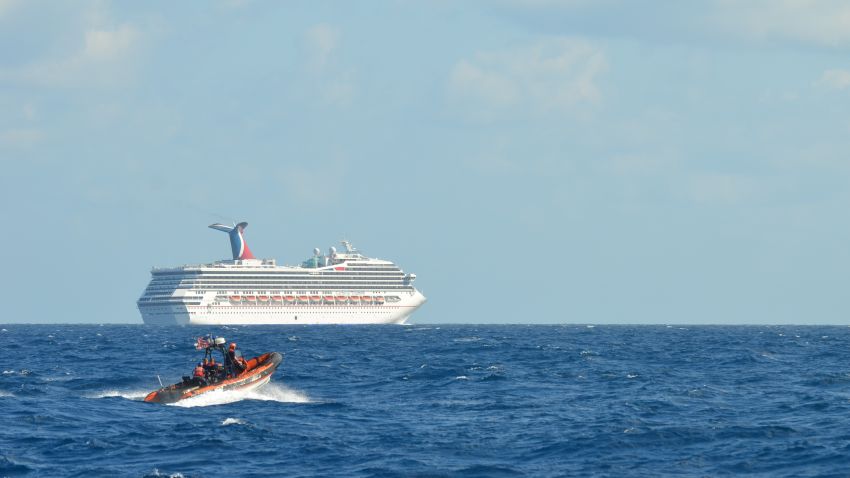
x=289 y=298
x=341 y=298
x=263 y=298
x=258 y=371
x=235 y=298
x=277 y=298
x=329 y=298
x=251 y=298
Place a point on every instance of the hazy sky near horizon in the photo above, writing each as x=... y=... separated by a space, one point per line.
x=532 y=161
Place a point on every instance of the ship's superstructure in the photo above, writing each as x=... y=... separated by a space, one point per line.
x=340 y=287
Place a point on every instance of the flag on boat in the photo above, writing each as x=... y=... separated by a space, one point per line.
x=202 y=343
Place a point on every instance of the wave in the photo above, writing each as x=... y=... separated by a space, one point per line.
x=4 y=394
x=232 y=421
x=269 y=392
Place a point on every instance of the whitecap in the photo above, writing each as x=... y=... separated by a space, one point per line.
x=232 y=421
x=629 y=375
x=4 y=394
x=156 y=473
x=8 y=372
x=3 y=330
x=590 y=326
x=467 y=339
x=461 y=377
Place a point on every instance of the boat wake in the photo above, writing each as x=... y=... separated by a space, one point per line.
x=129 y=395
x=269 y=392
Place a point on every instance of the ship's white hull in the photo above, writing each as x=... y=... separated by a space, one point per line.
x=270 y=314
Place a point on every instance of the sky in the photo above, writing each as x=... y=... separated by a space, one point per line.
x=537 y=161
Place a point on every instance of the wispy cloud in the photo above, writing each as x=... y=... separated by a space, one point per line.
x=824 y=22
x=553 y=74
x=7 y=6
x=21 y=137
x=314 y=186
x=321 y=41
x=333 y=82
x=714 y=188
x=834 y=79
x=101 y=59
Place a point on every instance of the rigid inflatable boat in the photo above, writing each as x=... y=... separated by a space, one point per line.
x=254 y=373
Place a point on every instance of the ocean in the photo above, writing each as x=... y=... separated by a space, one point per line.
x=433 y=400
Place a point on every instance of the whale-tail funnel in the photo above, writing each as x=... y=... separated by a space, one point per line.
x=237 y=240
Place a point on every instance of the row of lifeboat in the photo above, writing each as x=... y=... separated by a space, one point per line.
x=307 y=299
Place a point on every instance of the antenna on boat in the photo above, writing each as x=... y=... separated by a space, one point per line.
x=160 y=380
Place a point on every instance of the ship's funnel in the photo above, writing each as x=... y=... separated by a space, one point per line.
x=237 y=241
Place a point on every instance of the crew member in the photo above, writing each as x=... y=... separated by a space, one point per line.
x=213 y=370
x=238 y=363
x=199 y=374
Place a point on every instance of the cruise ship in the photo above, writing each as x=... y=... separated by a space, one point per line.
x=340 y=287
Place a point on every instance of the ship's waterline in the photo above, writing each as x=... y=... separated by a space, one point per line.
x=340 y=287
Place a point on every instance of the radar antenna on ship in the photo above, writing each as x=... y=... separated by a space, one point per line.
x=348 y=246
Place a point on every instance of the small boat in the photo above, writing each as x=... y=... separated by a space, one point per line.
x=329 y=298
x=341 y=298
x=257 y=372
x=263 y=298
x=235 y=298
x=315 y=298
x=303 y=298
x=251 y=298
x=289 y=298
x=277 y=298
x=354 y=298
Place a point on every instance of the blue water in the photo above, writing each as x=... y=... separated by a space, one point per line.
x=434 y=401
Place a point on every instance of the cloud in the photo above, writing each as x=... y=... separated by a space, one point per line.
x=7 y=6
x=20 y=137
x=553 y=74
x=834 y=79
x=728 y=189
x=331 y=81
x=321 y=41
x=314 y=186
x=106 y=45
x=101 y=60
x=823 y=23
